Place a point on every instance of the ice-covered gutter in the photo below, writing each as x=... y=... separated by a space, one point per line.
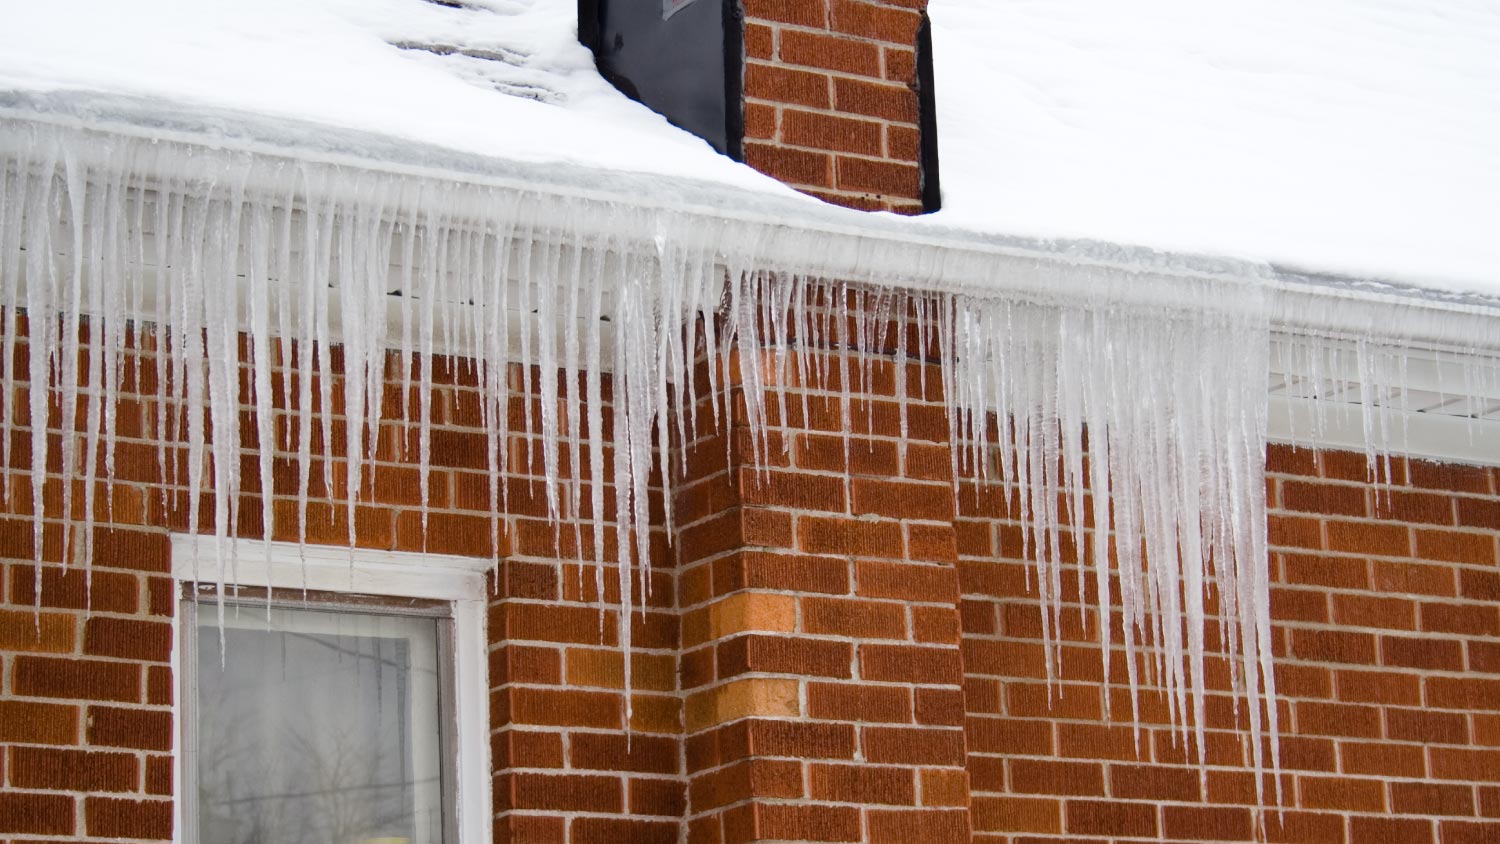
x=822 y=239
x=218 y=226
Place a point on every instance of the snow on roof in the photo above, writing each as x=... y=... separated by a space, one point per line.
x=1359 y=137
x=1354 y=136
x=500 y=78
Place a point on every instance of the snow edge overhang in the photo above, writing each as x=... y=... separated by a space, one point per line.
x=791 y=230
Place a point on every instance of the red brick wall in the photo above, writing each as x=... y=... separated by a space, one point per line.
x=86 y=732
x=830 y=652
x=830 y=99
x=1386 y=604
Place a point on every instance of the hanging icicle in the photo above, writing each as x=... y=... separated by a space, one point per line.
x=215 y=263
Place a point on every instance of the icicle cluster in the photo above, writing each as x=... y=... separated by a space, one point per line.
x=229 y=265
x=1152 y=425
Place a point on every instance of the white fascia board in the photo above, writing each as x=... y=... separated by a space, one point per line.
x=795 y=232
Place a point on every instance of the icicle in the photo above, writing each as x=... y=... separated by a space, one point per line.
x=1153 y=414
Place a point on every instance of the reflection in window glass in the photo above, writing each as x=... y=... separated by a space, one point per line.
x=318 y=727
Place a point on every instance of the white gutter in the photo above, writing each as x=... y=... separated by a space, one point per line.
x=793 y=231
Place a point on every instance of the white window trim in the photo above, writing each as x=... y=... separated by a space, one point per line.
x=439 y=577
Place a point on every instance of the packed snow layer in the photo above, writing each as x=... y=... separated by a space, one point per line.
x=500 y=78
x=1355 y=136
x=1352 y=136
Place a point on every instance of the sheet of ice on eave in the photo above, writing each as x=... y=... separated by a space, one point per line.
x=500 y=78
x=1359 y=137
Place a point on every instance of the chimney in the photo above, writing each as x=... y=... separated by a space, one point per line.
x=832 y=97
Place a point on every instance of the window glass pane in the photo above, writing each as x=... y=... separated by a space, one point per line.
x=319 y=726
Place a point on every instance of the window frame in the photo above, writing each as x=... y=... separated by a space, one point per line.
x=455 y=583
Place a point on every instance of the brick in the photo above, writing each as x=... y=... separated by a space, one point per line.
x=830 y=52
x=36 y=632
x=38 y=723
x=1006 y=814
x=828 y=132
x=934 y=825
x=148 y=641
x=878 y=21
x=1413 y=578
x=526 y=749
x=1325 y=499
x=859 y=702
x=1466 y=619
x=76 y=678
x=803 y=740
x=36 y=814
x=1427 y=727
x=913 y=745
x=818 y=535
x=1414 y=507
x=139 y=729
x=565 y=708
x=56 y=769
x=109 y=817
x=754 y=697
x=566 y=793
x=1391 y=830
x=906 y=582
x=1387 y=687
x=1450 y=477
x=1304 y=828
x=74 y=588
x=1478 y=513
x=1382 y=760
x=1334 y=646
x=1479 y=585
x=1342 y=793
x=1373 y=611
x=1480 y=693
x=1369 y=538
x=1099 y=817
x=1153 y=782
x=808 y=823
x=1456 y=546
x=887 y=102
x=940 y=707
x=1425 y=798
x=1046 y=777
x=614 y=752
x=660 y=797
x=882 y=177
x=793 y=166
x=855 y=618
x=800 y=656
x=1467 y=832
x=1425 y=653
x=1286 y=531
x=809 y=13
x=862 y=784
x=790 y=572
x=1206 y=823
x=615 y=830
x=1338 y=719
x=910 y=664
x=902 y=500
x=1009 y=736
x=944 y=787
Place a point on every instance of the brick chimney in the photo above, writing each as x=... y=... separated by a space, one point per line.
x=832 y=97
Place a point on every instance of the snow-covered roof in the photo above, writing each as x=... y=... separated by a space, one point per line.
x=1355 y=137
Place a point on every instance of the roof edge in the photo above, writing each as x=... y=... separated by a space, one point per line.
x=826 y=240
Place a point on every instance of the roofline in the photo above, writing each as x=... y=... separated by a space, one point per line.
x=819 y=239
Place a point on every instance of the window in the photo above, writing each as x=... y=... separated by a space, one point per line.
x=351 y=710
